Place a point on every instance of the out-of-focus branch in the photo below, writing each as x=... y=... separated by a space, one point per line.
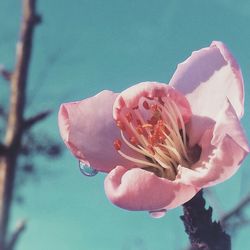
x=235 y=217
x=28 y=123
x=20 y=227
x=14 y=129
x=2 y=112
x=6 y=74
x=3 y=149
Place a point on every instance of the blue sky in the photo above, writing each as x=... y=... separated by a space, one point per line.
x=83 y=47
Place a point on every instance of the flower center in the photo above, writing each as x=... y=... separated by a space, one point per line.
x=155 y=129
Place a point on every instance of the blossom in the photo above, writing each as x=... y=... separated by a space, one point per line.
x=161 y=143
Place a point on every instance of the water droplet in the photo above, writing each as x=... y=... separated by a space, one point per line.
x=87 y=170
x=158 y=214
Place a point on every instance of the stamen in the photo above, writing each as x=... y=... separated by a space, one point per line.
x=154 y=107
x=176 y=133
x=161 y=140
x=144 y=163
x=172 y=151
x=133 y=147
x=147 y=125
x=133 y=140
x=181 y=121
x=142 y=121
x=129 y=117
x=151 y=149
x=117 y=144
x=120 y=125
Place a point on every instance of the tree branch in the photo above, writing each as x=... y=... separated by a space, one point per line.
x=14 y=131
x=6 y=74
x=3 y=149
x=236 y=214
x=204 y=234
x=30 y=122
x=16 y=234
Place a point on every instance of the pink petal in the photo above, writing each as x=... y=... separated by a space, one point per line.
x=223 y=150
x=207 y=78
x=228 y=124
x=88 y=129
x=221 y=163
x=137 y=189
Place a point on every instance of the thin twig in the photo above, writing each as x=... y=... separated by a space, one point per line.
x=6 y=74
x=235 y=218
x=14 y=131
x=3 y=149
x=30 y=122
x=16 y=234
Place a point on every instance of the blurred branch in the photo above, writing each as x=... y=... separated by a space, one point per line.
x=6 y=74
x=36 y=118
x=16 y=234
x=3 y=149
x=14 y=131
x=235 y=217
x=2 y=112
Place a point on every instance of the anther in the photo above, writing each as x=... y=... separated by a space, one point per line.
x=152 y=139
x=129 y=117
x=138 y=122
x=160 y=123
x=154 y=107
x=153 y=120
x=117 y=144
x=146 y=105
x=120 y=125
x=133 y=140
x=161 y=138
x=139 y=129
x=147 y=125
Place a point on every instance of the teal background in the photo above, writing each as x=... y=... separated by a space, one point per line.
x=83 y=47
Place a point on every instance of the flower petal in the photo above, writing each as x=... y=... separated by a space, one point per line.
x=228 y=124
x=223 y=150
x=207 y=78
x=88 y=129
x=137 y=189
x=221 y=164
x=210 y=71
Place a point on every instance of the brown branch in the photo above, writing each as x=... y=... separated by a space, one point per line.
x=6 y=74
x=14 y=131
x=234 y=219
x=16 y=235
x=30 y=122
x=204 y=234
x=3 y=149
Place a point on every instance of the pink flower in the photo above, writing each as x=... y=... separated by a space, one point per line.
x=160 y=144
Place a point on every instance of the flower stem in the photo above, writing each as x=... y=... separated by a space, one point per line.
x=204 y=234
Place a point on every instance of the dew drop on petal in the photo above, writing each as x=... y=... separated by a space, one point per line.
x=158 y=214
x=87 y=170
